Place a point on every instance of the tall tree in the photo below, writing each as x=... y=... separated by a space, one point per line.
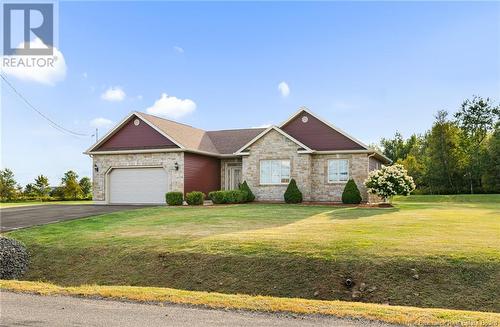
x=398 y=148
x=29 y=190
x=394 y=148
x=442 y=156
x=8 y=185
x=491 y=176
x=42 y=188
x=475 y=118
x=71 y=187
x=86 y=186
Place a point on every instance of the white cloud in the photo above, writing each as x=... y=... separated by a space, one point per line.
x=284 y=89
x=41 y=69
x=101 y=122
x=262 y=126
x=171 y=107
x=113 y=94
x=85 y=75
x=178 y=49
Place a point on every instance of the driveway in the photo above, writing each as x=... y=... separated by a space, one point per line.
x=36 y=310
x=21 y=217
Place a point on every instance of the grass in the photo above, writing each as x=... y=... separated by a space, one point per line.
x=36 y=203
x=423 y=252
x=391 y=314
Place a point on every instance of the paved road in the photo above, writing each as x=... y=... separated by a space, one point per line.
x=20 y=217
x=35 y=310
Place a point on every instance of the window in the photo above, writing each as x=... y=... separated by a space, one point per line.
x=338 y=170
x=274 y=171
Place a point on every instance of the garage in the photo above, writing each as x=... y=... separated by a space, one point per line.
x=138 y=185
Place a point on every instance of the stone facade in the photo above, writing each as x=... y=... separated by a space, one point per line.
x=322 y=190
x=310 y=171
x=106 y=162
x=274 y=145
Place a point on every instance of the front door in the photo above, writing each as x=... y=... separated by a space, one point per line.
x=233 y=177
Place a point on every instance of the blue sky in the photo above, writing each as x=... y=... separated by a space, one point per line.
x=369 y=68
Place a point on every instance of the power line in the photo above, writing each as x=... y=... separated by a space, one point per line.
x=51 y=122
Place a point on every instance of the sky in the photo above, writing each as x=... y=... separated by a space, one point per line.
x=370 y=68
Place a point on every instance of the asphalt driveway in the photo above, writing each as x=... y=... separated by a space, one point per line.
x=21 y=217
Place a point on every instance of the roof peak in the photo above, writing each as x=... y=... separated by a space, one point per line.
x=169 y=120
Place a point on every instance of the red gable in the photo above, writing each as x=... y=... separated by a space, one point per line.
x=131 y=136
x=317 y=135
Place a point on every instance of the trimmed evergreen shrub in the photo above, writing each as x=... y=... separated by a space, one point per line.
x=174 y=198
x=195 y=198
x=14 y=258
x=351 y=193
x=230 y=196
x=292 y=193
x=217 y=197
x=244 y=187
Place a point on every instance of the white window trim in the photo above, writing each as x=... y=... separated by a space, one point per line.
x=279 y=184
x=328 y=171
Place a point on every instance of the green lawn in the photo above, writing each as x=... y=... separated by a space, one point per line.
x=36 y=203
x=451 y=243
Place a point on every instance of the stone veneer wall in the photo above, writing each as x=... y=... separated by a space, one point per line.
x=164 y=159
x=276 y=146
x=321 y=190
x=224 y=163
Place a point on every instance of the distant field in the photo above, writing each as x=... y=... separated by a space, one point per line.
x=429 y=252
x=37 y=203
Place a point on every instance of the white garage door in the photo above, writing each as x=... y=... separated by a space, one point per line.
x=138 y=185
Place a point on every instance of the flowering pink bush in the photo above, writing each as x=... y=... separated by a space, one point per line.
x=389 y=181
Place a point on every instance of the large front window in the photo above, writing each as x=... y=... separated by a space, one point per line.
x=274 y=172
x=338 y=170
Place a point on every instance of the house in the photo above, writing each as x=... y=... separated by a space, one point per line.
x=145 y=156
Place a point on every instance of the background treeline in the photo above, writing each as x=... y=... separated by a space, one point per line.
x=70 y=188
x=459 y=154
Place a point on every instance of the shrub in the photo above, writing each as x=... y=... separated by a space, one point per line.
x=217 y=197
x=174 y=198
x=195 y=198
x=389 y=181
x=230 y=196
x=14 y=258
x=292 y=193
x=351 y=193
x=244 y=187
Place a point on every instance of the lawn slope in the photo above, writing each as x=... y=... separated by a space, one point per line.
x=423 y=252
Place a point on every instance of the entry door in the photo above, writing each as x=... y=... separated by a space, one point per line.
x=234 y=178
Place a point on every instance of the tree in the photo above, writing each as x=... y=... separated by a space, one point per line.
x=42 y=188
x=491 y=176
x=8 y=185
x=442 y=159
x=70 y=187
x=389 y=181
x=398 y=148
x=475 y=118
x=29 y=191
x=86 y=186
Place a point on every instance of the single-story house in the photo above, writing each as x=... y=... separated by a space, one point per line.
x=145 y=156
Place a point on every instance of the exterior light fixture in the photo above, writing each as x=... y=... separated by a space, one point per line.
x=176 y=166
x=96 y=168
